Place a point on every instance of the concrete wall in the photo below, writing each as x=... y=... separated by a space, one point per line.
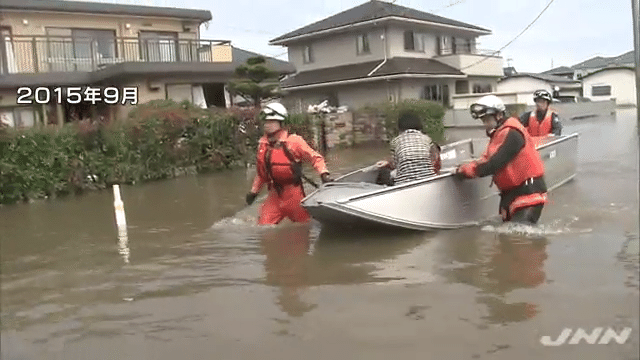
x=337 y=50
x=492 y=66
x=37 y=22
x=566 y=112
x=622 y=82
x=522 y=84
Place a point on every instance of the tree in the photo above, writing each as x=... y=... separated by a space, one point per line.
x=255 y=81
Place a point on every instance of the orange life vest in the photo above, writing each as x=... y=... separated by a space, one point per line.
x=277 y=163
x=542 y=128
x=526 y=165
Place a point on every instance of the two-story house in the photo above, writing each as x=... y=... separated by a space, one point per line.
x=380 y=51
x=52 y=45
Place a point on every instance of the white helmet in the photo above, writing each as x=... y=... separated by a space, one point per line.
x=487 y=105
x=274 y=111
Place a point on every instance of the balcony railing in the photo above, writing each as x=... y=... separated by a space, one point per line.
x=39 y=54
x=465 y=49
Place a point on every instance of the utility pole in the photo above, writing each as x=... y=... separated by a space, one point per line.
x=635 y=7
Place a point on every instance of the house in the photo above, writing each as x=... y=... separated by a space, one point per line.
x=145 y=53
x=579 y=70
x=596 y=63
x=611 y=83
x=380 y=51
x=524 y=84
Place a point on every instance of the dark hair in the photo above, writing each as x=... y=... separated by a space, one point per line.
x=409 y=120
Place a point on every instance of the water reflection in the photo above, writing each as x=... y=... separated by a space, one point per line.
x=498 y=264
x=300 y=256
x=286 y=265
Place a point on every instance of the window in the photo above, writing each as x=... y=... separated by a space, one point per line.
x=413 y=41
x=362 y=44
x=19 y=117
x=446 y=48
x=437 y=93
x=462 y=87
x=601 y=90
x=307 y=54
x=481 y=88
x=159 y=46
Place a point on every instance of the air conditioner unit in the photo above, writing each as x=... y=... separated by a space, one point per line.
x=154 y=85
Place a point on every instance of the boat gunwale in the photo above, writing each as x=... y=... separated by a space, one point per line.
x=421 y=181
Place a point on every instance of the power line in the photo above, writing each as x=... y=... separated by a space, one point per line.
x=514 y=39
x=448 y=6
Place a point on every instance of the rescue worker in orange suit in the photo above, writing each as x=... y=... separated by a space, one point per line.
x=543 y=121
x=279 y=167
x=512 y=159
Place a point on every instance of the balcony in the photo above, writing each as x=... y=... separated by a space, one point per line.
x=47 y=54
x=464 y=58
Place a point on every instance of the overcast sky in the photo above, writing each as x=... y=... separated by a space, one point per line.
x=570 y=31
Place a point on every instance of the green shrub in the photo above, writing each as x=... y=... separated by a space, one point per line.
x=430 y=112
x=160 y=139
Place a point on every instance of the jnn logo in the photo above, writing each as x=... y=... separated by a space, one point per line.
x=592 y=338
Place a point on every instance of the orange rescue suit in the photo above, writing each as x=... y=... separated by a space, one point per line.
x=521 y=170
x=274 y=168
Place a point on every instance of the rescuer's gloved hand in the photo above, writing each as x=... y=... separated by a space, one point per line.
x=251 y=197
x=325 y=178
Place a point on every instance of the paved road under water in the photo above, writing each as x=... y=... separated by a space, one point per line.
x=196 y=280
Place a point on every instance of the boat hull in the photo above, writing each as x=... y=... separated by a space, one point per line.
x=440 y=202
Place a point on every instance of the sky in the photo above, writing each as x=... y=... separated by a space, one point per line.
x=569 y=31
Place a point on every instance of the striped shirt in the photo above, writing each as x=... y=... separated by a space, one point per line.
x=411 y=153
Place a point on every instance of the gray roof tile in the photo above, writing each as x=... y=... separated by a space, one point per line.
x=372 y=10
x=393 y=66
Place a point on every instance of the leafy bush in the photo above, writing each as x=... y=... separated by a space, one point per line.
x=430 y=112
x=161 y=139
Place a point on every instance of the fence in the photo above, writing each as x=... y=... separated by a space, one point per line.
x=35 y=54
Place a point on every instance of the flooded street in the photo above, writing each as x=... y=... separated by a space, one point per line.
x=198 y=280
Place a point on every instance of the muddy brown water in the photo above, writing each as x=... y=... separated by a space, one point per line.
x=197 y=279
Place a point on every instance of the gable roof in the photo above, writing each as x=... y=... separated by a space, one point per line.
x=240 y=56
x=543 y=77
x=104 y=8
x=600 y=62
x=558 y=70
x=394 y=66
x=372 y=10
x=610 y=68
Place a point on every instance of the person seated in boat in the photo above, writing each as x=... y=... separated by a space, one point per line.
x=414 y=156
x=512 y=159
x=543 y=121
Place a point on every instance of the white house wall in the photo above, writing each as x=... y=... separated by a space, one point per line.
x=522 y=84
x=337 y=50
x=622 y=83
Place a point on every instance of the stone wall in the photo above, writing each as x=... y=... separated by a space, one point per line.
x=349 y=128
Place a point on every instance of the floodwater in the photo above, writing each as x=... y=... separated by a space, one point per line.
x=196 y=279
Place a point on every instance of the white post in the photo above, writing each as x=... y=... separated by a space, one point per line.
x=121 y=223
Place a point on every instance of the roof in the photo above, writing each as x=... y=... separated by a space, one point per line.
x=610 y=68
x=543 y=77
x=104 y=8
x=393 y=66
x=600 y=62
x=558 y=70
x=240 y=56
x=372 y=10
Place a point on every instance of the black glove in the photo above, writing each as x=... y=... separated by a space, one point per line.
x=325 y=178
x=251 y=197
